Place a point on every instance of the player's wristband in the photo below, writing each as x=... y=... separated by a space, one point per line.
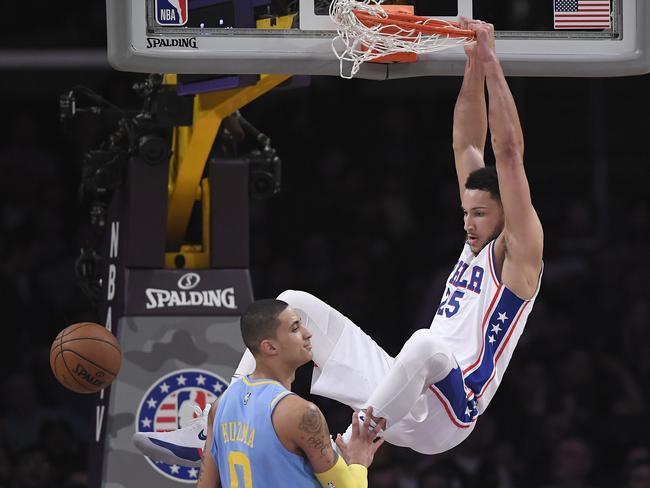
x=343 y=476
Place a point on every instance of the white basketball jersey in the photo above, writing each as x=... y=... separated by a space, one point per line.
x=481 y=321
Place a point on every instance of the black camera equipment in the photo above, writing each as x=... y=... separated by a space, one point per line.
x=264 y=164
x=146 y=134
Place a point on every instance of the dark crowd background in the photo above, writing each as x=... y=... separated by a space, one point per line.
x=369 y=220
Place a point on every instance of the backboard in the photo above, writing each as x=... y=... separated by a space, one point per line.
x=220 y=37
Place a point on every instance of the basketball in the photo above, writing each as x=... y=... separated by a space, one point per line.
x=85 y=357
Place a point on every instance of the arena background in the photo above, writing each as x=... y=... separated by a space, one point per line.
x=369 y=220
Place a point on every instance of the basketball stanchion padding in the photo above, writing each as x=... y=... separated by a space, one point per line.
x=370 y=32
x=85 y=357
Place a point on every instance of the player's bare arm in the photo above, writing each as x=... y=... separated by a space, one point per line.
x=302 y=429
x=470 y=118
x=209 y=473
x=518 y=250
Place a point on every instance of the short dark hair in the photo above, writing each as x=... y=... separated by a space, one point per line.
x=260 y=321
x=484 y=179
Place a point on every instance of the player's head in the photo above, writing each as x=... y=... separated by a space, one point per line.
x=271 y=329
x=482 y=210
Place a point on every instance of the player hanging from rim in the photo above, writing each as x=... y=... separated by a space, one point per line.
x=433 y=392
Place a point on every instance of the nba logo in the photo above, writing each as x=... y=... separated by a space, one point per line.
x=175 y=401
x=171 y=12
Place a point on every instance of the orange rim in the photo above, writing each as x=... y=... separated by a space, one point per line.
x=411 y=22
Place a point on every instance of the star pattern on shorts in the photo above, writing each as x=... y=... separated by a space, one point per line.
x=471 y=411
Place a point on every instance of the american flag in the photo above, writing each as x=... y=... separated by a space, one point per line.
x=167 y=415
x=581 y=14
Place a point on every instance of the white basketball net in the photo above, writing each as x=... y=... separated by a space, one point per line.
x=357 y=43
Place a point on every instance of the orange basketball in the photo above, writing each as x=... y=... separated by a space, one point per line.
x=85 y=357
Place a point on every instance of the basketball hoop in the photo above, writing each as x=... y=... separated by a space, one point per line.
x=369 y=33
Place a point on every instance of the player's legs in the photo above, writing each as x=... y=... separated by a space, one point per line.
x=348 y=364
x=325 y=323
x=424 y=397
x=350 y=367
x=423 y=361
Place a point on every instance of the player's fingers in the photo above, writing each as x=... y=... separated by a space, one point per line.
x=365 y=427
x=479 y=28
x=369 y=414
x=374 y=432
x=377 y=444
x=377 y=429
x=482 y=32
x=372 y=419
x=340 y=442
x=355 y=423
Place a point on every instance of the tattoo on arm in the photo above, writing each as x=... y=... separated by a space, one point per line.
x=205 y=454
x=202 y=465
x=312 y=423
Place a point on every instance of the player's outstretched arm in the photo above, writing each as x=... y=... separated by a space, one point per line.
x=470 y=117
x=523 y=235
x=301 y=427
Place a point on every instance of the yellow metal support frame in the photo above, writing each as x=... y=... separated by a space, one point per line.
x=196 y=256
x=191 y=147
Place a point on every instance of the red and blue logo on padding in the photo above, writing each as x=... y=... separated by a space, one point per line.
x=173 y=402
x=171 y=12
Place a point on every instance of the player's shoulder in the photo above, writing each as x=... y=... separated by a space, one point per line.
x=292 y=405
x=294 y=415
x=294 y=411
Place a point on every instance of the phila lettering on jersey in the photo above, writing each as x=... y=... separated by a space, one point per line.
x=481 y=321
